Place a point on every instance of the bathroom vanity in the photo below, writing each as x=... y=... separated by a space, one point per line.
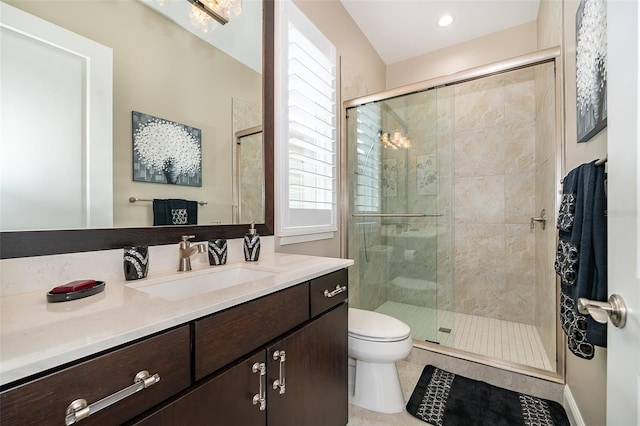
x=271 y=350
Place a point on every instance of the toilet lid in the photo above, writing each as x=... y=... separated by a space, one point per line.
x=370 y=325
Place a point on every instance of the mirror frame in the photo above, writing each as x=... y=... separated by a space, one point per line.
x=40 y=243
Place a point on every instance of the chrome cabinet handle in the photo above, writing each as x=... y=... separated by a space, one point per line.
x=280 y=382
x=79 y=409
x=339 y=289
x=261 y=396
x=614 y=309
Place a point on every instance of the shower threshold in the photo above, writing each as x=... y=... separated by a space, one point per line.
x=504 y=340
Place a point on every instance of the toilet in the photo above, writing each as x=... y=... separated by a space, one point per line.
x=376 y=342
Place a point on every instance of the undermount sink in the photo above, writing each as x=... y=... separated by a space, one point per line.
x=185 y=286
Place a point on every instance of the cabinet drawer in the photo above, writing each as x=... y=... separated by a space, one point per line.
x=44 y=401
x=228 y=335
x=333 y=282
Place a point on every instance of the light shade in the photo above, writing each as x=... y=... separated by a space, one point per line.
x=219 y=10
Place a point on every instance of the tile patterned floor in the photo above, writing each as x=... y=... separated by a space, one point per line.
x=410 y=369
x=409 y=374
x=500 y=339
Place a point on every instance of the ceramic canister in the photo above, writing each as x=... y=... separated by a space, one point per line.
x=136 y=262
x=218 y=252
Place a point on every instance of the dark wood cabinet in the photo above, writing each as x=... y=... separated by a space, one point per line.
x=315 y=372
x=328 y=291
x=226 y=399
x=215 y=370
x=44 y=401
x=226 y=336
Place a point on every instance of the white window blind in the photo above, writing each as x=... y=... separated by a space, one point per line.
x=368 y=171
x=306 y=139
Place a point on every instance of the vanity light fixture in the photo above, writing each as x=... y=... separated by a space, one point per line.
x=445 y=20
x=207 y=14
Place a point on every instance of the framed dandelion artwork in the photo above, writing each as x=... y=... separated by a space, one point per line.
x=165 y=151
x=591 y=68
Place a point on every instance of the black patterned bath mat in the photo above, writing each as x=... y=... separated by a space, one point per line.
x=446 y=399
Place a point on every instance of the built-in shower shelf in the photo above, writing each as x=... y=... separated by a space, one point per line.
x=413 y=283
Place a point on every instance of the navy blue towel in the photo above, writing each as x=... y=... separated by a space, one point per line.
x=175 y=212
x=581 y=258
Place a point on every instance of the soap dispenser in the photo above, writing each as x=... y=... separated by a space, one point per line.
x=252 y=245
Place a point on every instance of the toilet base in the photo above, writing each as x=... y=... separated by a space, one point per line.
x=377 y=387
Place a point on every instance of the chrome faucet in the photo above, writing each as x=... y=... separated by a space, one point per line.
x=186 y=250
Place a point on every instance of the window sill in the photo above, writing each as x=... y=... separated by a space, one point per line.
x=305 y=238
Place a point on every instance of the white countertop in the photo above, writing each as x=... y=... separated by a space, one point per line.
x=36 y=336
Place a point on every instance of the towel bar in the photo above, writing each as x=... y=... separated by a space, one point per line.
x=134 y=199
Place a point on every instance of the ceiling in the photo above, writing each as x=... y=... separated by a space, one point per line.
x=403 y=29
x=246 y=48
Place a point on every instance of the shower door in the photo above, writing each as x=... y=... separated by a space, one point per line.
x=400 y=192
x=443 y=184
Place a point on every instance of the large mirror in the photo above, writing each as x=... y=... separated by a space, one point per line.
x=204 y=88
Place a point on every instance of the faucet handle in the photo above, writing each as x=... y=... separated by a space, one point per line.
x=186 y=238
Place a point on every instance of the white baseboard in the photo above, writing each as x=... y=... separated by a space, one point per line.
x=573 y=412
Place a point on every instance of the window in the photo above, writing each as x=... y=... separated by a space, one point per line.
x=306 y=134
x=367 y=191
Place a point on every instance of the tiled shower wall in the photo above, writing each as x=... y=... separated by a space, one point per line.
x=493 y=193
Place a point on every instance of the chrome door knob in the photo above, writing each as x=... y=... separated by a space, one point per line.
x=614 y=309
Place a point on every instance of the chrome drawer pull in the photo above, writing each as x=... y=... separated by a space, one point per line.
x=337 y=291
x=79 y=409
x=261 y=396
x=280 y=382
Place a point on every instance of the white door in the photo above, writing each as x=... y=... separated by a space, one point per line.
x=56 y=126
x=623 y=354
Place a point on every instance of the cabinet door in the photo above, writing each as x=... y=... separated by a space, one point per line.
x=315 y=373
x=226 y=399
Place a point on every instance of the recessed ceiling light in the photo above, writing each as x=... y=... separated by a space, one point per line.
x=445 y=20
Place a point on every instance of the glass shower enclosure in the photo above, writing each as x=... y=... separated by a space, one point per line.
x=443 y=184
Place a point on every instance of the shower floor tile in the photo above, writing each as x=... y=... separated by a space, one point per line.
x=509 y=341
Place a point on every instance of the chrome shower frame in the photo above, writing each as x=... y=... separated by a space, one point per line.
x=539 y=57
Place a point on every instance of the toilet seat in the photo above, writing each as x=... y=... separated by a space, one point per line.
x=376 y=327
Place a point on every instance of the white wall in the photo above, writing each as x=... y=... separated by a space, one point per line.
x=515 y=41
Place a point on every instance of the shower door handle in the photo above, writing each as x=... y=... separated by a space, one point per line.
x=542 y=219
x=614 y=309
x=396 y=215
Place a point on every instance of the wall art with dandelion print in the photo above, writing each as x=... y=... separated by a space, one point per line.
x=165 y=151
x=591 y=68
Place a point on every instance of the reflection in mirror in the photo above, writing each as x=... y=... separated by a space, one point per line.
x=248 y=185
x=158 y=69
